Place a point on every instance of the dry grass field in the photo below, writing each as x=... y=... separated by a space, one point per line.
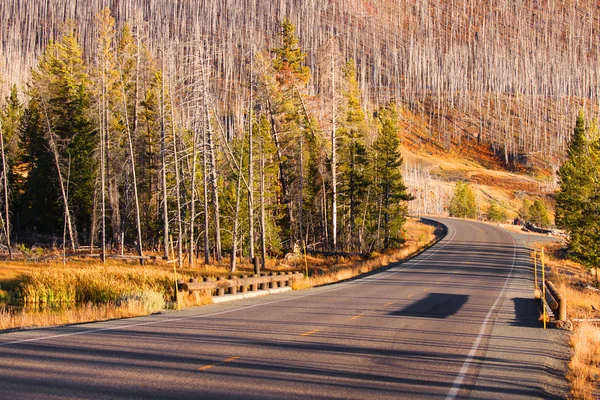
x=583 y=305
x=83 y=291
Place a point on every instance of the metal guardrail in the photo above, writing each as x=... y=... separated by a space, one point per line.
x=243 y=284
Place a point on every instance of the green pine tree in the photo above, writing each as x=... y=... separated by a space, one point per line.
x=289 y=58
x=524 y=210
x=60 y=103
x=589 y=239
x=353 y=159
x=285 y=96
x=538 y=214
x=578 y=184
x=496 y=213
x=388 y=182
x=11 y=115
x=462 y=204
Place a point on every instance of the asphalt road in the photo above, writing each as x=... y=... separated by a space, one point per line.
x=458 y=321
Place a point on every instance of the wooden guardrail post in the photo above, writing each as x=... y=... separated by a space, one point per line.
x=220 y=289
x=206 y=279
x=233 y=287
x=244 y=286
x=254 y=286
x=561 y=301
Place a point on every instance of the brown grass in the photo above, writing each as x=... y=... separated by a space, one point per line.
x=584 y=367
x=576 y=283
x=418 y=237
x=120 y=289
x=86 y=313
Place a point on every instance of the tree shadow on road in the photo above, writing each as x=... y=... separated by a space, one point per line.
x=435 y=305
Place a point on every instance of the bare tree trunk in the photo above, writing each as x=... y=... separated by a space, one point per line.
x=301 y=192
x=177 y=183
x=251 y=176
x=236 y=219
x=205 y=186
x=215 y=195
x=103 y=126
x=333 y=146
x=6 y=222
x=192 y=243
x=163 y=158
x=94 y=221
x=212 y=169
x=133 y=172
x=263 y=239
x=63 y=191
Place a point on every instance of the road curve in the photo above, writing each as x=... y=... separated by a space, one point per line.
x=458 y=321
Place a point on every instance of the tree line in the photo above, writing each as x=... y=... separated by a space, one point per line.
x=120 y=143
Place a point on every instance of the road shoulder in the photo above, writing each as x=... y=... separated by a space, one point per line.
x=523 y=360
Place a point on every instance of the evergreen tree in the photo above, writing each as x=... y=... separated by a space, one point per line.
x=578 y=184
x=388 y=182
x=538 y=214
x=495 y=212
x=11 y=115
x=353 y=160
x=60 y=106
x=285 y=95
x=524 y=210
x=11 y=118
x=462 y=204
x=589 y=239
x=289 y=58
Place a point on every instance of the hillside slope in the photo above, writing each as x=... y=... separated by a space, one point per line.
x=486 y=88
x=511 y=73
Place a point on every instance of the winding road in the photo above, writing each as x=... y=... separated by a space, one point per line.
x=458 y=321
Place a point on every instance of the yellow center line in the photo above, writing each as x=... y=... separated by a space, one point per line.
x=310 y=333
x=357 y=317
x=426 y=289
x=207 y=367
x=388 y=304
x=409 y=296
x=437 y=283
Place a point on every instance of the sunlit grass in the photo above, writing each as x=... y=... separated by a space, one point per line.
x=86 y=290
x=418 y=236
x=584 y=367
x=583 y=302
x=142 y=305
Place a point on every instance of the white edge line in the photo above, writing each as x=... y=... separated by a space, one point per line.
x=469 y=360
x=342 y=286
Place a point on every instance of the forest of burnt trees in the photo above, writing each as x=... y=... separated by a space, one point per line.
x=518 y=70
x=175 y=84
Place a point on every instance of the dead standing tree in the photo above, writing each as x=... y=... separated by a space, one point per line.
x=6 y=219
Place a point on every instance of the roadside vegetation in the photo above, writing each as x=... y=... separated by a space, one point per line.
x=574 y=266
x=83 y=291
x=582 y=291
